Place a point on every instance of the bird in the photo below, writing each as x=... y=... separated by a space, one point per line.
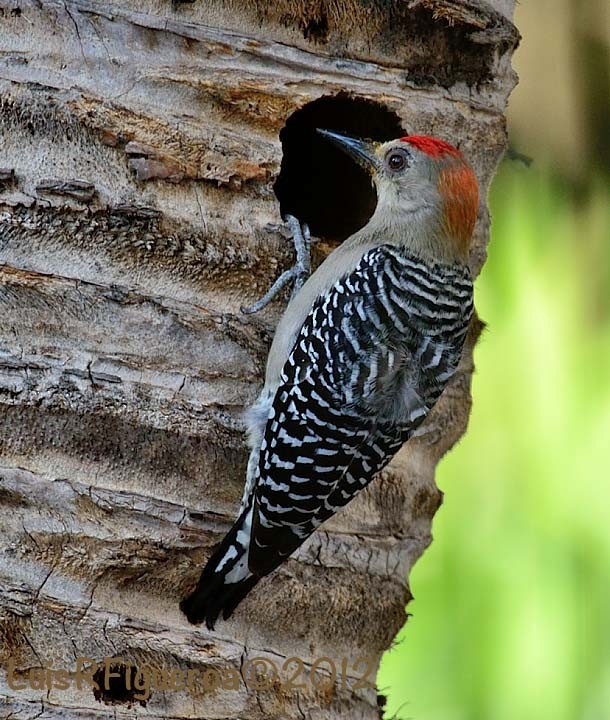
x=361 y=355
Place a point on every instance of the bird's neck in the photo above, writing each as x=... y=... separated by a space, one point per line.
x=419 y=231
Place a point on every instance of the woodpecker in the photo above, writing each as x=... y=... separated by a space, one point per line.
x=361 y=355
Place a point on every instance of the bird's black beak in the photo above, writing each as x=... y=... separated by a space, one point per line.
x=362 y=151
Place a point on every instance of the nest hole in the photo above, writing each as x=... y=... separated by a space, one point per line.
x=318 y=183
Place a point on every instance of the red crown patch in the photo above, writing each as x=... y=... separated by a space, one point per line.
x=431 y=146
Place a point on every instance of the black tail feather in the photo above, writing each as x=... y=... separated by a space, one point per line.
x=235 y=593
x=212 y=594
x=207 y=603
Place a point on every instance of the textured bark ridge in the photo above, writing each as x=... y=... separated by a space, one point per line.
x=139 y=150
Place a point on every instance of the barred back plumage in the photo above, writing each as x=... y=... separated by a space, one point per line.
x=368 y=364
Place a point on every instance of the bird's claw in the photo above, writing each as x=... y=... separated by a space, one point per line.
x=299 y=272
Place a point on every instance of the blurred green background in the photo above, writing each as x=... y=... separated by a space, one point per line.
x=511 y=616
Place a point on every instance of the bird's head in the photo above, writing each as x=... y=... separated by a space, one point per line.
x=426 y=191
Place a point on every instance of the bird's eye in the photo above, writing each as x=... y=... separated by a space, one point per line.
x=396 y=160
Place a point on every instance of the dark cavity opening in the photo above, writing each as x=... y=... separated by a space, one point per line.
x=122 y=687
x=318 y=183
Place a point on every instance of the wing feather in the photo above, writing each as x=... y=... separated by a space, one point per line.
x=362 y=375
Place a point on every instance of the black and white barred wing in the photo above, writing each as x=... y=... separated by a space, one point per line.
x=361 y=377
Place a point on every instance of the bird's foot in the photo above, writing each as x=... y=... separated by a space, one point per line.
x=299 y=272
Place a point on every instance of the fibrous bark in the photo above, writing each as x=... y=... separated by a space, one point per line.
x=139 y=150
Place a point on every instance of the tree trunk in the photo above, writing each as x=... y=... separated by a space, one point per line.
x=139 y=150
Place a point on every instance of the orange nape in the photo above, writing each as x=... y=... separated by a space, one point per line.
x=459 y=191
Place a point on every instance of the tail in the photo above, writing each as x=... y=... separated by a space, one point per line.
x=225 y=580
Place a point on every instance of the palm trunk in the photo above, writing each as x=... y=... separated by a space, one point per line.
x=139 y=147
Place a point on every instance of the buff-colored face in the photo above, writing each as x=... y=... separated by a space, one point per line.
x=419 y=174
